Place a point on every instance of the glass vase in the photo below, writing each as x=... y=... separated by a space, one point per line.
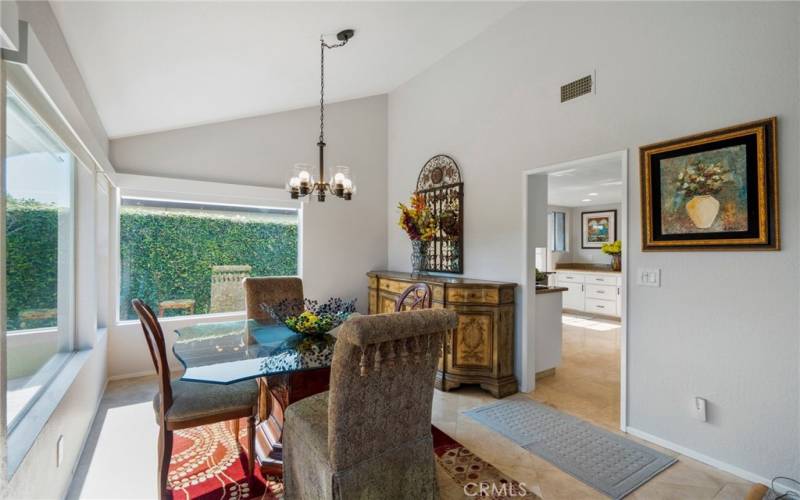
x=418 y=250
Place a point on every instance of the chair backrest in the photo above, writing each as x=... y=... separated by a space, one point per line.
x=381 y=387
x=416 y=296
x=154 y=336
x=269 y=290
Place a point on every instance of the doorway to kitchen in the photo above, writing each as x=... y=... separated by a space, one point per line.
x=574 y=321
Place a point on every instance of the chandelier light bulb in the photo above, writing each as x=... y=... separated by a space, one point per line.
x=339 y=178
x=294 y=182
x=304 y=176
x=347 y=184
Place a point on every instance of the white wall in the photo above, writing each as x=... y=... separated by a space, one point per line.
x=723 y=325
x=590 y=255
x=65 y=85
x=341 y=240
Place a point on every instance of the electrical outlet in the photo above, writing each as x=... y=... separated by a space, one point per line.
x=60 y=451
x=700 y=409
x=648 y=277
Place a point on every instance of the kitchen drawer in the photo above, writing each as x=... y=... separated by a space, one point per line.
x=605 y=307
x=603 y=279
x=602 y=292
x=569 y=277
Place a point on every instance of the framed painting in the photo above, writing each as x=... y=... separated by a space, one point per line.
x=712 y=191
x=598 y=228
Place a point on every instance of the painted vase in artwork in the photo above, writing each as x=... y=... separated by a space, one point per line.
x=703 y=210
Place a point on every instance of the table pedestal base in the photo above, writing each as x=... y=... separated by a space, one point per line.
x=277 y=393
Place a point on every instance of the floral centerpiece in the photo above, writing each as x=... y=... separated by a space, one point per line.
x=309 y=317
x=615 y=251
x=698 y=183
x=419 y=223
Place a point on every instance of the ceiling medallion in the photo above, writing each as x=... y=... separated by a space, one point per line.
x=301 y=181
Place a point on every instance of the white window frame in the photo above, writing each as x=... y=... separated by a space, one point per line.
x=191 y=191
x=67 y=277
x=83 y=320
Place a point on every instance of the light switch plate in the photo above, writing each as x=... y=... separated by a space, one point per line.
x=648 y=277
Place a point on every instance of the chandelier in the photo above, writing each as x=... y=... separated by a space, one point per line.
x=301 y=181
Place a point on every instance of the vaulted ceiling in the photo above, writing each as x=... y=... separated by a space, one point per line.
x=153 y=66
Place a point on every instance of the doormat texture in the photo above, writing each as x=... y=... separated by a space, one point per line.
x=208 y=464
x=607 y=462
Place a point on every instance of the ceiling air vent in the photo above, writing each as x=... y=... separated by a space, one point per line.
x=579 y=87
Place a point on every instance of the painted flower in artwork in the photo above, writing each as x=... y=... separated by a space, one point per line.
x=700 y=179
x=417 y=220
x=705 y=192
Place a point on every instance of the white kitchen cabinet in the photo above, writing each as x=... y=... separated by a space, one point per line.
x=595 y=293
x=573 y=298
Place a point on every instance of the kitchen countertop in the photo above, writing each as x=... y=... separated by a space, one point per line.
x=550 y=289
x=586 y=268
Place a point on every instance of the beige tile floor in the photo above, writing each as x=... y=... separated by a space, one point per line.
x=120 y=456
x=586 y=384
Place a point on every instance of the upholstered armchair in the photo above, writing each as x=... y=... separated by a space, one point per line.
x=370 y=435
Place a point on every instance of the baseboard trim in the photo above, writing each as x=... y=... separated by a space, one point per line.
x=723 y=466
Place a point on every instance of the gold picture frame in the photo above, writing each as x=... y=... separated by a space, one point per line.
x=716 y=190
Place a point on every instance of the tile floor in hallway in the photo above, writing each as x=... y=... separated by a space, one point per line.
x=120 y=456
x=586 y=384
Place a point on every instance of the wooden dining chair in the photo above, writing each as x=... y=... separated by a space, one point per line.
x=181 y=405
x=421 y=298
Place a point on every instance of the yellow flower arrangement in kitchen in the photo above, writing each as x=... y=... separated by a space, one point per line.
x=615 y=251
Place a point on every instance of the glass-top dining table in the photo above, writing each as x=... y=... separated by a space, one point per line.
x=291 y=367
x=233 y=351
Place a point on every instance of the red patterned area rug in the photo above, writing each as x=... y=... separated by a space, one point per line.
x=207 y=464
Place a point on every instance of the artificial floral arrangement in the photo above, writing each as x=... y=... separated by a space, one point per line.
x=615 y=251
x=309 y=317
x=612 y=248
x=701 y=179
x=417 y=220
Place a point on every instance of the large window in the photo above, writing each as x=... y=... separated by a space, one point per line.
x=558 y=227
x=189 y=258
x=39 y=254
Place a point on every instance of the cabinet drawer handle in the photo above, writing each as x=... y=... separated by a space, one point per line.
x=599 y=291
x=600 y=307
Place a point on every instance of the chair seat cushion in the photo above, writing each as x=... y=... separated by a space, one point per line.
x=195 y=400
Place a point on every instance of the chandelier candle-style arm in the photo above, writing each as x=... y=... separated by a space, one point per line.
x=301 y=182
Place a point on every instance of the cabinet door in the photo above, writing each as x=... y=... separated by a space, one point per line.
x=573 y=297
x=386 y=303
x=471 y=344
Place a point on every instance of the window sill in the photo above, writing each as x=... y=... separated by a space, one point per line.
x=232 y=316
x=24 y=435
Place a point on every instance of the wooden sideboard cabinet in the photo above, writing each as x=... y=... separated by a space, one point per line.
x=481 y=348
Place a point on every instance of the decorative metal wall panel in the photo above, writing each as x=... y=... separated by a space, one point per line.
x=440 y=183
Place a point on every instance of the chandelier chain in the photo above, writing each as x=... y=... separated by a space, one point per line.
x=322 y=47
